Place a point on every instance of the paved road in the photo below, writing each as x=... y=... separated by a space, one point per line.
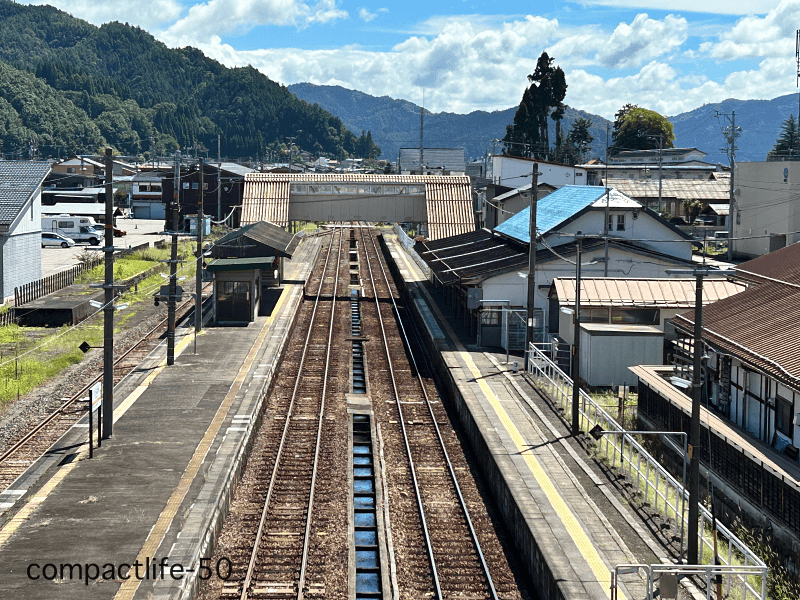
x=139 y=232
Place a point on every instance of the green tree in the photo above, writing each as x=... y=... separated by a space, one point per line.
x=528 y=136
x=579 y=139
x=637 y=128
x=788 y=142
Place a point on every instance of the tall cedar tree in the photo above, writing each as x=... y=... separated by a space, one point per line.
x=528 y=136
x=788 y=142
x=637 y=128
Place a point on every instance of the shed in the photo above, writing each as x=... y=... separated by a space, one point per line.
x=607 y=350
x=248 y=269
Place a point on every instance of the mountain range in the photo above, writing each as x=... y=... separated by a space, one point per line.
x=395 y=124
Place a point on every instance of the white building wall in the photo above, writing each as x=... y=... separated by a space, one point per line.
x=766 y=205
x=516 y=172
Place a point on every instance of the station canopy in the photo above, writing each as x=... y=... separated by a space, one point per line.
x=256 y=240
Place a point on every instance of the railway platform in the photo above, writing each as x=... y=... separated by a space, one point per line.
x=568 y=524
x=77 y=528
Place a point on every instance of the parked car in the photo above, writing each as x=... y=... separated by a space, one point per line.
x=50 y=238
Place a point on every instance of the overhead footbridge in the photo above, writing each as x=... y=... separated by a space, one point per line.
x=436 y=206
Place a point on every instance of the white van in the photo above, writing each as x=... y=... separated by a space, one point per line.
x=79 y=229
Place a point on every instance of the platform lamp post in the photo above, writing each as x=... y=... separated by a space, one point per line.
x=693 y=555
x=108 y=310
x=576 y=340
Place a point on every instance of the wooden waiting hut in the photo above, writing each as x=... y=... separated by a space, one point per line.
x=247 y=270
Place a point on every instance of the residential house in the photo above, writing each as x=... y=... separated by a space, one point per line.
x=676 y=163
x=485 y=267
x=514 y=172
x=76 y=172
x=713 y=189
x=146 y=195
x=502 y=207
x=435 y=161
x=767 y=214
x=20 y=223
x=222 y=203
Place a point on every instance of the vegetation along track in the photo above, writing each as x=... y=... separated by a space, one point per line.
x=40 y=437
x=287 y=537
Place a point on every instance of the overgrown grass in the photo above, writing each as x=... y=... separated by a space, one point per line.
x=58 y=349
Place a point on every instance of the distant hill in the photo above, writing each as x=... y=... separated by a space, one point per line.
x=66 y=85
x=760 y=121
x=395 y=123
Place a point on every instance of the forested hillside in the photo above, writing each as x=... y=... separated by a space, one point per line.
x=69 y=85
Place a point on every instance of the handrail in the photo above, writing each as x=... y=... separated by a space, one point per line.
x=638 y=463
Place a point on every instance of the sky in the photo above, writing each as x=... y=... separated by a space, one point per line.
x=466 y=55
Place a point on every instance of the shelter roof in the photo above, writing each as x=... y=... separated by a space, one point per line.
x=241 y=264
x=256 y=239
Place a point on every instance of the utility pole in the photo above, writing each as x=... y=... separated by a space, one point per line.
x=731 y=134
x=532 y=261
x=576 y=341
x=219 y=178
x=660 y=158
x=173 y=263
x=108 y=300
x=421 y=112
x=198 y=300
x=607 y=215
x=694 y=427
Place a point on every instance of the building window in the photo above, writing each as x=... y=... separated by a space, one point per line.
x=594 y=315
x=70 y=169
x=635 y=316
x=783 y=416
x=186 y=185
x=620 y=222
x=195 y=186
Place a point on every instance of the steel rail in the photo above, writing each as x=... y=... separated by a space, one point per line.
x=77 y=396
x=254 y=555
x=450 y=468
x=428 y=543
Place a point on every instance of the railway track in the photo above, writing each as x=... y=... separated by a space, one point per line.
x=273 y=558
x=36 y=441
x=287 y=537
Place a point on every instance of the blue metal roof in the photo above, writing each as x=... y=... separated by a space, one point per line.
x=551 y=211
x=19 y=180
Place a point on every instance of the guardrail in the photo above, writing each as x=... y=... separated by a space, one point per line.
x=408 y=243
x=650 y=477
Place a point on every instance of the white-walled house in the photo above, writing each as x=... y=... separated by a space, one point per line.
x=20 y=223
x=515 y=172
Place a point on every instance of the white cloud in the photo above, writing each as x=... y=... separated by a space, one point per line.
x=220 y=17
x=144 y=13
x=753 y=36
x=367 y=16
x=462 y=69
x=722 y=7
x=629 y=45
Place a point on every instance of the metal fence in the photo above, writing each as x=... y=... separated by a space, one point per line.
x=650 y=477
x=408 y=243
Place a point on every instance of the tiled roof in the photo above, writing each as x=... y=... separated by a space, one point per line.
x=760 y=325
x=18 y=182
x=448 y=198
x=654 y=292
x=551 y=211
x=683 y=189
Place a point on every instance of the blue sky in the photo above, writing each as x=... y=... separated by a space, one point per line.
x=475 y=55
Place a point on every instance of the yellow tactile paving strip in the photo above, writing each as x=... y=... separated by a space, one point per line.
x=562 y=509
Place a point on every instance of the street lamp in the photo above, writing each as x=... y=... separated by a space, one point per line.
x=597 y=432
